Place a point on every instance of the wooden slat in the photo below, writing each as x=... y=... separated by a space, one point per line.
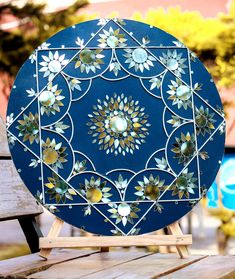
x=149 y=267
x=214 y=267
x=89 y=265
x=4 y=150
x=26 y=265
x=114 y=241
x=117 y=264
x=15 y=198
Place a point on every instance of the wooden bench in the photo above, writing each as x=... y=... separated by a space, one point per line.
x=15 y=200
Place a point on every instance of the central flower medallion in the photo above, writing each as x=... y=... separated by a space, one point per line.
x=118 y=124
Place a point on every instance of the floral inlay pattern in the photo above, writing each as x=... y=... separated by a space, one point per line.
x=51 y=99
x=29 y=128
x=113 y=126
x=184 y=184
x=118 y=124
x=52 y=64
x=53 y=154
x=174 y=62
x=95 y=190
x=112 y=38
x=150 y=188
x=89 y=60
x=59 y=189
x=204 y=121
x=184 y=148
x=180 y=94
x=139 y=58
x=124 y=212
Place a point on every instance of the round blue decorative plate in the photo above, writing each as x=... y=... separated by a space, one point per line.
x=115 y=127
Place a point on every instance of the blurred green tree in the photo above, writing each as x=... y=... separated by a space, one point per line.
x=212 y=39
x=37 y=26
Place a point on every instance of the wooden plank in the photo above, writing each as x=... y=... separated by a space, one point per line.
x=4 y=150
x=89 y=265
x=216 y=267
x=26 y=265
x=114 y=241
x=54 y=231
x=175 y=229
x=15 y=198
x=153 y=266
x=116 y=264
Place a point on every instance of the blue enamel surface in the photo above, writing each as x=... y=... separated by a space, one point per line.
x=115 y=127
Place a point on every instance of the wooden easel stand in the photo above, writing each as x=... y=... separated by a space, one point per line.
x=175 y=238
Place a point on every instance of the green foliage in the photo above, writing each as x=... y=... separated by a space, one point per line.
x=16 y=46
x=212 y=39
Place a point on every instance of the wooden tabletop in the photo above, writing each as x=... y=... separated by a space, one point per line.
x=123 y=264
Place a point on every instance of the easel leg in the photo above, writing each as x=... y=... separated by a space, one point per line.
x=175 y=229
x=54 y=232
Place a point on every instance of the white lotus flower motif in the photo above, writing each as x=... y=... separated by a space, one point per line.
x=52 y=64
x=138 y=58
x=174 y=62
x=124 y=212
x=180 y=94
x=112 y=38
